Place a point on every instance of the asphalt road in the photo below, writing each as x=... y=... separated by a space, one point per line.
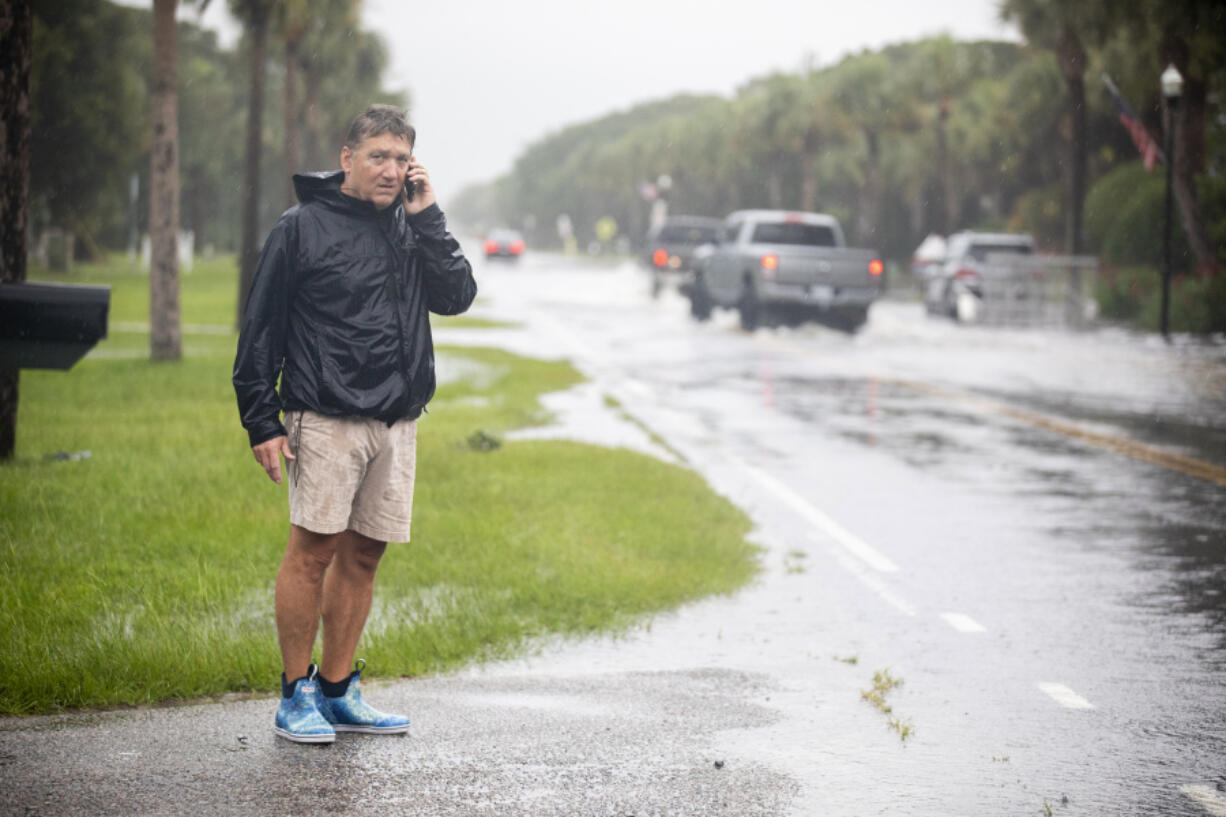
x=1025 y=529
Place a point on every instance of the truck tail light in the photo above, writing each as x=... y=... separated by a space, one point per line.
x=770 y=263
x=659 y=258
x=875 y=267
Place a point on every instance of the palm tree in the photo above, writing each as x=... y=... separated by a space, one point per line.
x=330 y=38
x=255 y=15
x=293 y=21
x=15 y=53
x=1057 y=27
x=165 y=336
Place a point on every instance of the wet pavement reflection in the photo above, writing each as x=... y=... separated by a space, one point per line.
x=1063 y=493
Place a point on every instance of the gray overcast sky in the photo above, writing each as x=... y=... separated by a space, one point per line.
x=489 y=78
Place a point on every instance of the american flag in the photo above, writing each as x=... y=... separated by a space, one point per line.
x=1146 y=146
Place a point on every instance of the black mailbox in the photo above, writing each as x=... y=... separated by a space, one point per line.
x=50 y=326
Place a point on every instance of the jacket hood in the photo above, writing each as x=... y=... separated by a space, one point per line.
x=323 y=184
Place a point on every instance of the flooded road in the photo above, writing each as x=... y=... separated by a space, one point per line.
x=993 y=566
x=1026 y=528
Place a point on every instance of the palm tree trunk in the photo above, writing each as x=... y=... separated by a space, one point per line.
x=870 y=191
x=250 y=250
x=942 y=206
x=774 y=189
x=808 y=183
x=16 y=35
x=1207 y=262
x=291 y=119
x=1077 y=167
x=165 y=340
x=313 y=133
x=1072 y=59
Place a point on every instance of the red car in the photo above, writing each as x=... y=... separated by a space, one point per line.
x=504 y=244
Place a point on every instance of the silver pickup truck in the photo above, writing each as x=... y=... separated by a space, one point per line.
x=776 y=264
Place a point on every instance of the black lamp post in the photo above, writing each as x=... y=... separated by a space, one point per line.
x=1172 y=89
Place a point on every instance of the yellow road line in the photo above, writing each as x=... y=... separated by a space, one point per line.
x=1119 y=445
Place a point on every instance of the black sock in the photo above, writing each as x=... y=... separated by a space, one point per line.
x=334 y=689
x=288 y=687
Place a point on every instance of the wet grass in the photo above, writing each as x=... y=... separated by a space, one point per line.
x=144 y=571
x=883 y=684
x=467 y=322
x=616 y=405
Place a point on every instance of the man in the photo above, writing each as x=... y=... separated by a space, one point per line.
x=338 y=310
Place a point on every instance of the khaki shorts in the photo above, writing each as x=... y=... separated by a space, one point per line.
x=351 y=473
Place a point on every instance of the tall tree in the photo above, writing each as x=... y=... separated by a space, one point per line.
x=16 y=36
x=211 y=120
x=938 y=75
x=866 y=91
x=293 y=21
x=325 y=48
x=255 y=16
x=80 y=95
x=1062 y=28
x=165 y=336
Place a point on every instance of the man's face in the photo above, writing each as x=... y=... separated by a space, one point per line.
x=375 y=170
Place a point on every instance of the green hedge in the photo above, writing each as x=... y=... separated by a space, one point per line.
x=1134 y=295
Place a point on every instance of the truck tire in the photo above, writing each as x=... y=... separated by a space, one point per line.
x=850 y=319
x=700 y=299
x=750 y=307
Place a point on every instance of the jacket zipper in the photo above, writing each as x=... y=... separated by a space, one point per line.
x=398 y=285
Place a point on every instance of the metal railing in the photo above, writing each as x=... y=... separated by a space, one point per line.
x=1039 y=290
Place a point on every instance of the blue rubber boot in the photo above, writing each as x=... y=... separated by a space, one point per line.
x=349 y=713
x=298 y=717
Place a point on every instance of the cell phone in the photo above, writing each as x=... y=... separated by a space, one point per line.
x=409 y=187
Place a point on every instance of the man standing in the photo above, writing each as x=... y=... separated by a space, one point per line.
x=338 y=310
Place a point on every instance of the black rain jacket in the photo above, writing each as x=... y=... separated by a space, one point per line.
x=338 y=309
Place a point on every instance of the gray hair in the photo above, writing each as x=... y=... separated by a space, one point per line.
x=379 y=119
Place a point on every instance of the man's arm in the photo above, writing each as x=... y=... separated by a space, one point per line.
x=449 y=283
x=261 y=348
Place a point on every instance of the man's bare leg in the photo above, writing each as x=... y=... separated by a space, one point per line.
x=347 y=591
x=299 y=595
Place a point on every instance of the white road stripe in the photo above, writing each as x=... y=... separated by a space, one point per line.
x=1065 y=696
x=850 y=542
x=963 y=624
x=870 y=580
x=1208 y=798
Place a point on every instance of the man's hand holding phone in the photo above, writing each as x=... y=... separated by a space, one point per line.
x=418 y=192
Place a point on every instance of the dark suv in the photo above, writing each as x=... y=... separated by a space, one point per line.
x=669 y=248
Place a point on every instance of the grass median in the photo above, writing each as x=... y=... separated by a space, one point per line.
x=143 y=572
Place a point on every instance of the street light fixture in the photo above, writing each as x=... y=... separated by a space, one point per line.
x=1172 y=89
